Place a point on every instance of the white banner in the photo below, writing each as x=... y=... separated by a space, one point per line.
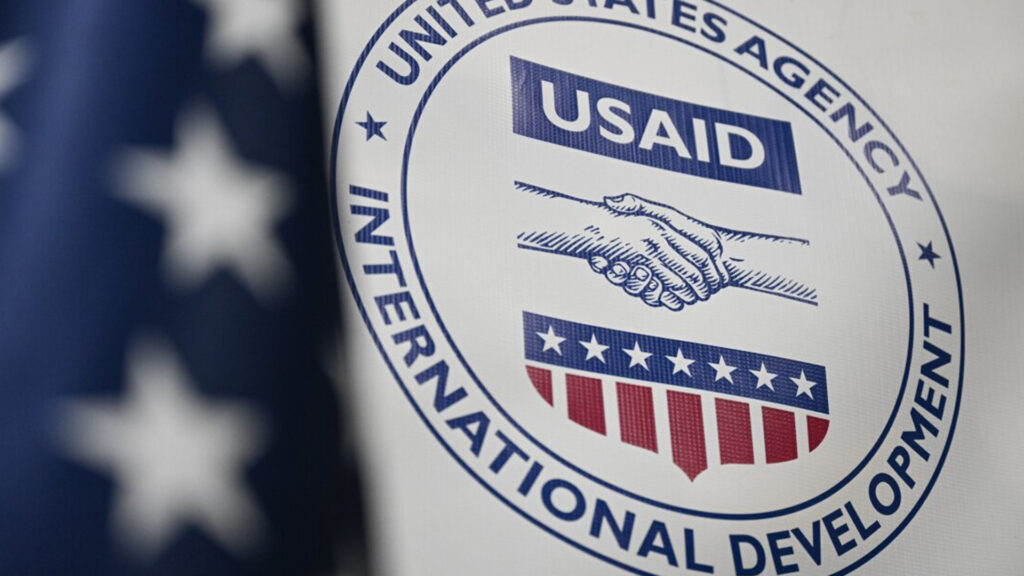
x=682 y=286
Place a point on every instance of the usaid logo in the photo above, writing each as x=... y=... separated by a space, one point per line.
x=618 y=122
x=662 y=283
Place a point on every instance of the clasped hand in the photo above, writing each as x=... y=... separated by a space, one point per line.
x=660 y=255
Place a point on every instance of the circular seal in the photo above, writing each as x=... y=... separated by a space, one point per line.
x=656 y=278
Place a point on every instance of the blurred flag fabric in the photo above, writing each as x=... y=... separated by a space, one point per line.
x=168 y=299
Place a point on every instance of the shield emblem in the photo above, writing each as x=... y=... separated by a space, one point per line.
x=701 y=405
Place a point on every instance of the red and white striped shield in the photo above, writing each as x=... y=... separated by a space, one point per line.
x=703 y=405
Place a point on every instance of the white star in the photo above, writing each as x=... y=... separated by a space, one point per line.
x=637 y=357
x=764 y=377
x=722 y=370
x=14 y=64
x=680 y=363
x=176 y=459
x=267 y=30
x=803 y=385
x=552 y=341
x=594 y=349
x=219 y=211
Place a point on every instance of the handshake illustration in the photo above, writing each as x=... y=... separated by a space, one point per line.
x=681 y=259
x=662 y=256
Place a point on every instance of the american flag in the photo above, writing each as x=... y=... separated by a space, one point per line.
x=696 y=404
x=168 y=299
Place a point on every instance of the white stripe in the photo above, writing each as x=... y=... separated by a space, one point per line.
x=801 y=433
x=661 y=427
x=711 y=443
x=757 y=433
x=558 y=395
x=611 y=409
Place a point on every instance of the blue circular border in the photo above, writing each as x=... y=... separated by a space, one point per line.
x=333 y=199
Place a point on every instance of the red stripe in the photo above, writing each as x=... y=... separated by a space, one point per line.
x=541 y=379
x=779 y=434
x=734 y=439
x=586 y=402
x=686 y=423
x=816 y=430
x=636 y=416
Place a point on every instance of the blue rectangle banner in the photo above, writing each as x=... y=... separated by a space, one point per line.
x=578 y=112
